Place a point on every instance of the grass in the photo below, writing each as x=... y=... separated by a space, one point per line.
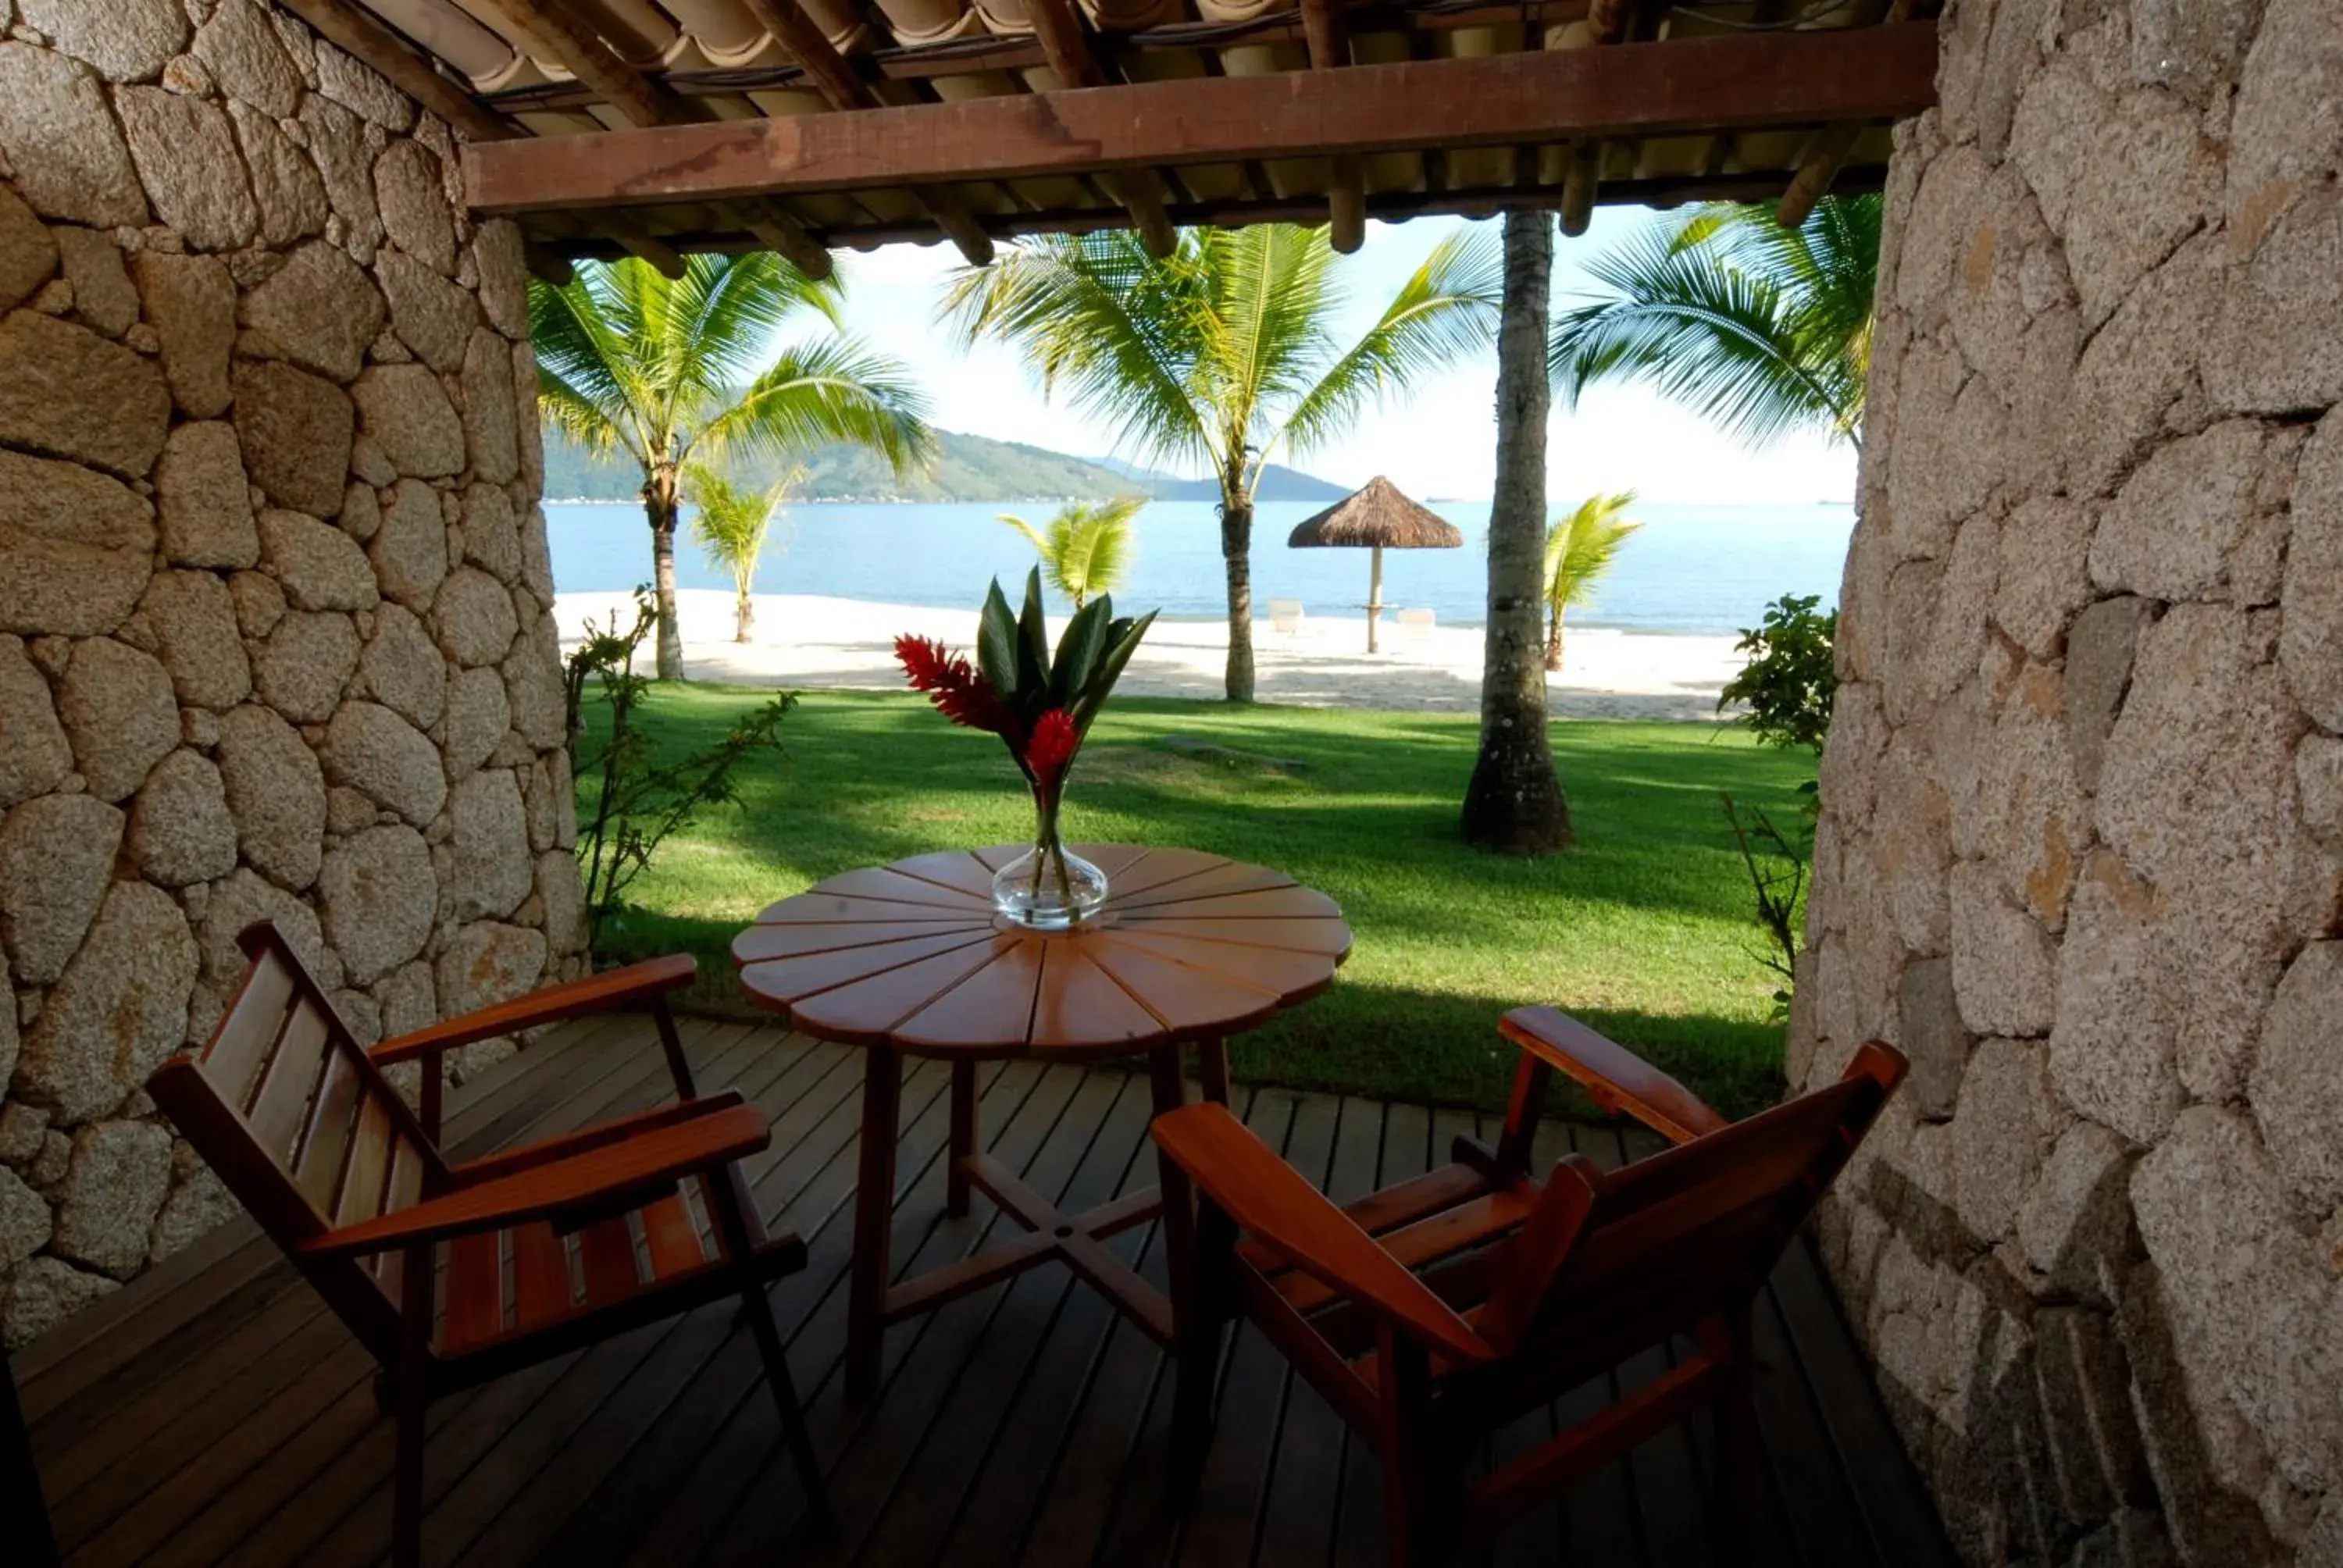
x=1644 y=929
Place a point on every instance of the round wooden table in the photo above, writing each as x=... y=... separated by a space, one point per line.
x=911 y=959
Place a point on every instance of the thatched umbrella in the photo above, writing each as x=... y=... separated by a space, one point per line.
x=1378 y=517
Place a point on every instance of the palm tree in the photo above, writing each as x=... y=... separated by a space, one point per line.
x=1515 y=801
x=1763 y=329
x=1579 y=549
x=732 y=526
x=1086 y=549
x=1222 y=352
x=666 y=370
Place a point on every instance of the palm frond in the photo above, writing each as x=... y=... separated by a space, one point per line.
x=1763 y=329
x=588 y=376
x=1086 y=549
x=834 y=389
x=1446 y=311
x=1102 y=320
x=1581 y=547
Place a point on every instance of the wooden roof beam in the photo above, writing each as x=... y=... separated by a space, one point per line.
x=1608 y=22
x=1328 y=31
x=1682 y=86
x=646 y=102
x=360 y=34
x=1827 y=153
x=801 y=37
x=1068 y=52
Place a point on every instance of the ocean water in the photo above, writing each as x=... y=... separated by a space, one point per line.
x=1690 y=569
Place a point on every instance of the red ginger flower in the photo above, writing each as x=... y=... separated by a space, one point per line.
x=960 y=693
x=1053 y=745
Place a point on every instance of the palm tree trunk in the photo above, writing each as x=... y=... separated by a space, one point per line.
x=744 y=609
x=1236 y=554
x=1514 y=803
x=660 y=506
x=1553 y=640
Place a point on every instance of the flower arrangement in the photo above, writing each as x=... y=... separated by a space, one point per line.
x=1042 y=705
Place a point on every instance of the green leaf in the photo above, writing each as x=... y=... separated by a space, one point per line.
x=1034 y=649
x=1079 y=649
x=1123 y=640
x=996 y=643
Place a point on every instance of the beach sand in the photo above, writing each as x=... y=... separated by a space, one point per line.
x=808 y=641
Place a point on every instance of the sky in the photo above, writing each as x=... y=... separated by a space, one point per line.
x=1440 y=443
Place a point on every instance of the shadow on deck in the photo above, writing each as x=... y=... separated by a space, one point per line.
x=215 y=1412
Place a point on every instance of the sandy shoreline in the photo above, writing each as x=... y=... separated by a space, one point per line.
x=806 y=640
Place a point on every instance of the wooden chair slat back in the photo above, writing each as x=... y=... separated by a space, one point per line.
x=285 y=1107
x=1701 y=1225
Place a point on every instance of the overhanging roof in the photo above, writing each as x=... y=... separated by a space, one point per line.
x=613 y=126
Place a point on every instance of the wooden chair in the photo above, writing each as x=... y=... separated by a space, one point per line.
x=535 y=1252
x=1434 y=1313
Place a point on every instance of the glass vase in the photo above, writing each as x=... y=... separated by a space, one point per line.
x=1046 y=889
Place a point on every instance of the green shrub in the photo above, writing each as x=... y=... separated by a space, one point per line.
x=1789 y=679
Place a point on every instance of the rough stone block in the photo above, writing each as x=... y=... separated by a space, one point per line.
x=277 y=793
x=56 y=852
x=64 y=149
x=379 y=899
x=320 y=568
x=1931 y=1034
x=2172 y=529
x=303 y=669
x=192 y=620
x=72 y=394
x=404 y=668
x=186 y=155
x=119 y=1009
x=295 y=429
x=432 y=315
x=486 y=964
x=405 y=411
x=205 y=501
x=28 y=252
x=472 y=619
x=2310 y=636
x=489 y=405
x=247 y=60
x=412 y=195
x=479 y=717
x=2002 y=1129
x=2296 y=1085
x=2252 y=1303
x=190 y=301
x=318 y=311
x=372 y=749
x=119 y=713
x=35 y=755
x=180 y=829
x=103 y=295
x=46 y=1291
x=2094 y=1442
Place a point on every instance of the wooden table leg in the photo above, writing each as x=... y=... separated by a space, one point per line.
x=1170 y=1092
x=874 y=1221
x=964 y=1137
x=1212 y=1069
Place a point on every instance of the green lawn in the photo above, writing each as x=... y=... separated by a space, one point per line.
x=1643 y=930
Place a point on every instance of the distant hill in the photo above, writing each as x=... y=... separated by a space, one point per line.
x=1278 y=483
x=967 y=468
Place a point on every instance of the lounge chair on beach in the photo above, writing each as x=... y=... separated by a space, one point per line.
x=1285 y=616
x=1416 y=625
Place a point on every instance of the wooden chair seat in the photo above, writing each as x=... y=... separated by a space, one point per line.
x=451 y=1274
x=1435 y=1313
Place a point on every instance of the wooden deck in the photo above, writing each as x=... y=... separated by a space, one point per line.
x=214 y=1412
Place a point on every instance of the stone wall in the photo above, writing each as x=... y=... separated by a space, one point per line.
x=274 y=591
x=2083 y=797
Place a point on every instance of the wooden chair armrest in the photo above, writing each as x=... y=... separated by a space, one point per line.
x=528 y=1156
x=595 y=993
x=594 y=1182
x=1614 y=1077
x=1274 y=1204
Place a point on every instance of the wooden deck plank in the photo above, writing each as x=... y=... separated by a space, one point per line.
x=1019 y=1458
x=931 y=1484
x=1298 y=1516
x=215 y=1412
